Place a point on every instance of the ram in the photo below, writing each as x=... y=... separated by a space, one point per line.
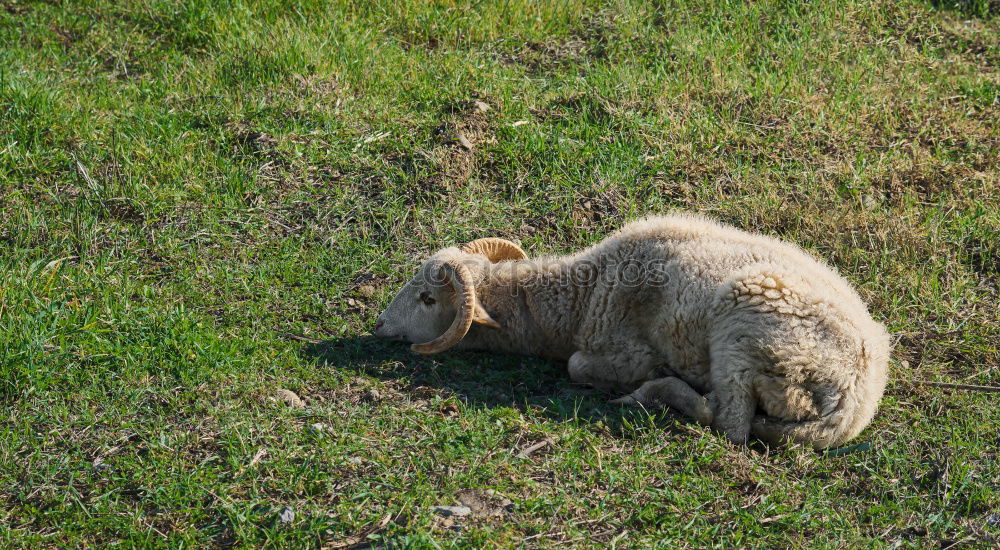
x=740 y=331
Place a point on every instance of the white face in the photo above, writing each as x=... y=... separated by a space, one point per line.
x=422 y=310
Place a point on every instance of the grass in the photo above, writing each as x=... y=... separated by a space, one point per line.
x=203 y=202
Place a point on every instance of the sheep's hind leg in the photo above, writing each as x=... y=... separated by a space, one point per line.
x=672 y=392
x=732 y=396
x=608 y=374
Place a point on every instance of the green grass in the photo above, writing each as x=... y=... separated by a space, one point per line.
x=192 y=195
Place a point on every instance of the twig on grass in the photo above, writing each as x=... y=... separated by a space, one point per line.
x=539 y=535
x=530 y=449
x=952 y=386
x=358 y=540
x=261 y=453
x=300 y=338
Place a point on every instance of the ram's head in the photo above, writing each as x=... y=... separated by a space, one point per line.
x=436 y=308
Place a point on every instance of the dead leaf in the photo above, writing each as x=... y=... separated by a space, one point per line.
x=449 y=409
x=261 y=453
x=290 y=398
x=485 y=503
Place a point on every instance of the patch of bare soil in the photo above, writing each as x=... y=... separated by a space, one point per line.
x=485 y=503
x=454 y=155
x=582 y=46
x=13 y=8
x=970 y=40
x=251 y=142
x=461 y=139
x=361 y=294
x=539 y=57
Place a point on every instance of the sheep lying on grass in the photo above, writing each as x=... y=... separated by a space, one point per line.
x=743 y=332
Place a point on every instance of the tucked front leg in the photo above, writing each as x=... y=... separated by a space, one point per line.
x=610 y=374
x=672 y=392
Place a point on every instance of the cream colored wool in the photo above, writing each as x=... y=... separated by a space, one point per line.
x=738 y=330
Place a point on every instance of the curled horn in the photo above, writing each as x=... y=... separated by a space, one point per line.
x=459 y=277
x=495 y=249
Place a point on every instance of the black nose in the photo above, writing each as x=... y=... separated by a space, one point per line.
x=379 y=324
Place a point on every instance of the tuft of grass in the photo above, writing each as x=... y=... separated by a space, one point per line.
x=202 y=203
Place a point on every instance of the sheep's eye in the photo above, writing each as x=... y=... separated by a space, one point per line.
x=426 y=297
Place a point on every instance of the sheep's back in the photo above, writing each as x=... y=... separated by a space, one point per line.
x=701 y=257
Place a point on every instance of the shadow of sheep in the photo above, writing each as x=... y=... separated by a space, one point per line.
x=488 y=380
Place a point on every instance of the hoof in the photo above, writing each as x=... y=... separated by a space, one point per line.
x=703 y=412
x=627 y=401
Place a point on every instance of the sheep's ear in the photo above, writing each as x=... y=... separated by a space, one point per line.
x=480 y=317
